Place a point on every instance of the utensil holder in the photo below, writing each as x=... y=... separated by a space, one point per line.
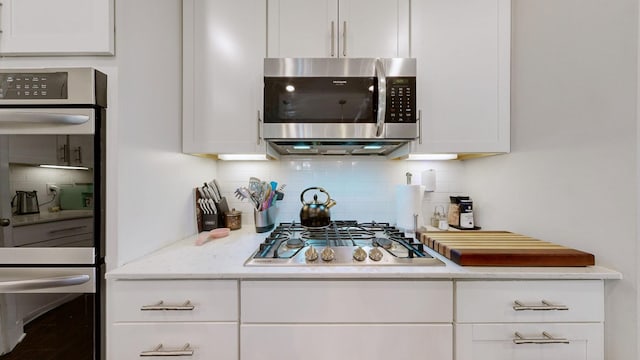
x=265 y=219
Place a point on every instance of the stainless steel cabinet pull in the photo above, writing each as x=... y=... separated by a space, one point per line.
x=259 y=128
x=52 y=118
x=157 y=351
x=382 y=96
x=67 y=229
x=546 y=306
x=161 y=306
x=419 y=120
x=333 y=39
x=545 y=339
x=64 y=149
x=344 y=39
x=78 y=152
x=5 y=222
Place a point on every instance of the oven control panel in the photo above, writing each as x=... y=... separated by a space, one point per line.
x=401 y=100
x=33 y=85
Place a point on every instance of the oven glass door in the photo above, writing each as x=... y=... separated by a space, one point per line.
x=48 y=172
x=320 y=100
x=48 y=313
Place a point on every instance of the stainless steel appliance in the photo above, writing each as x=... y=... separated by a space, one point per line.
x=52 y=136
x=342 y=243
x=26 y=202
x=334 y=106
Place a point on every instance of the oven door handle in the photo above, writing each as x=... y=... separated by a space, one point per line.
x=382 y=96
x=42 y=283
x=14 y=117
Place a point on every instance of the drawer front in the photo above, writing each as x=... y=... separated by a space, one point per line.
x=129 y=341
x=529 y=301
x=346 y=342
x=347 y=301
x=498 y=341
x=56 y=233
x=182 y=300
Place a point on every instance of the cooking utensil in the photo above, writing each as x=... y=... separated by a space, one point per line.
x=244 y=193
x=203 y=207
x=216 y=188
x=316 y=214
x=213 y=234
x=212 y=206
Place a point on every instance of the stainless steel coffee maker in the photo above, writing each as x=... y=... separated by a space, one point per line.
x=26 y=202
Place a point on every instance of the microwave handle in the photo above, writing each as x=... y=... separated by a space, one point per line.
x=382 y=96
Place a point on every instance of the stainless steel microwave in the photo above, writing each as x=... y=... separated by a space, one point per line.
x=339 y=106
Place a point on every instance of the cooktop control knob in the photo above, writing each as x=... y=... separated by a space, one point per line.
x=328 y=254
x=311 y=254
x=375 y=254
x=359 y=254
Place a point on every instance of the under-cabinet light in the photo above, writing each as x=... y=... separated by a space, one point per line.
x=302 y=147
x=242 y=157
x=372 y=147
x=64 y=167
x=432 y=156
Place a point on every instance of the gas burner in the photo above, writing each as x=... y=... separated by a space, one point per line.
x=295 y=243
x=344 y=243
x=383 y=242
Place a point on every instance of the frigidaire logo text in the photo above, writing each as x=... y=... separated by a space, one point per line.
x=340 y=82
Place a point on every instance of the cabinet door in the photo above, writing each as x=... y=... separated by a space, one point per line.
x=303 y=28
x=462 y=49
x=81 y=150
x=224 y=46
x=33 y=149
x=374 y=28
x=496 y=342
x=346 y=341
x=45 y=27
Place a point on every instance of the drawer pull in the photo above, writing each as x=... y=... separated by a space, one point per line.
x=545 y=339
x=67 y=229
x=546 y=306
x=161 y=306
x=158 y=351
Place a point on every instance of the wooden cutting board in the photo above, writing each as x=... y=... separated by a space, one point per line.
x=502 y=248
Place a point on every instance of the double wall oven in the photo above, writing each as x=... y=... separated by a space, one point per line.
x=52 y=171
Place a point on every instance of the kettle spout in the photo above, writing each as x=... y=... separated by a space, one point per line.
x=330 y=203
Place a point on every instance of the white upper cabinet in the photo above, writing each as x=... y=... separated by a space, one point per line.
x=462 y=49
x=338 y=28
x=48 y=27
x=224 y=44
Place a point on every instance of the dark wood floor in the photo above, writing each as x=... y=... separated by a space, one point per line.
x=64 y=333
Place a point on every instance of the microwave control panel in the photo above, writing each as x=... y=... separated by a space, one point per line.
x=401 y=100
x=33 y=85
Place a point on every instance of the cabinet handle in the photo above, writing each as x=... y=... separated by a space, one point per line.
x=186 y=350
x=546 y=306
x=333 y=39
x=66 y=229
x=344 y=39
x=78 y=152
x=65 y=153
x=545 y=339
x=419 y=120
x=160 y=306
x=259 y=129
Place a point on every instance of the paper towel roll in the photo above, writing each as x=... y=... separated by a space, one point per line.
x=429 y=180
x=408 y=203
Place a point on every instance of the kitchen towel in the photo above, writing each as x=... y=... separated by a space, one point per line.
x=408 y=203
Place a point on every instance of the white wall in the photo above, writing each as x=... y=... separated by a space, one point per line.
x=571 y=177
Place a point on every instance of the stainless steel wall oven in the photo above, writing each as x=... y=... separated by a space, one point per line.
x=52 y=156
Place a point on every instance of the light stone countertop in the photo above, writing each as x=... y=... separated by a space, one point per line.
x=224 y=259
x=45 y=217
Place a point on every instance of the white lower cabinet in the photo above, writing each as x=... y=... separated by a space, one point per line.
x=196 y=341
x=499 y=341
x=529 y=320
x=344 y=320
x=197 y=319
x=345 y=341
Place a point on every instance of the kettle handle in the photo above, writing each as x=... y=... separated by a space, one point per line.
x=315 y=188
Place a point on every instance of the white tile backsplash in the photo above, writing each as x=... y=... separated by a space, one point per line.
x=363 y=188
